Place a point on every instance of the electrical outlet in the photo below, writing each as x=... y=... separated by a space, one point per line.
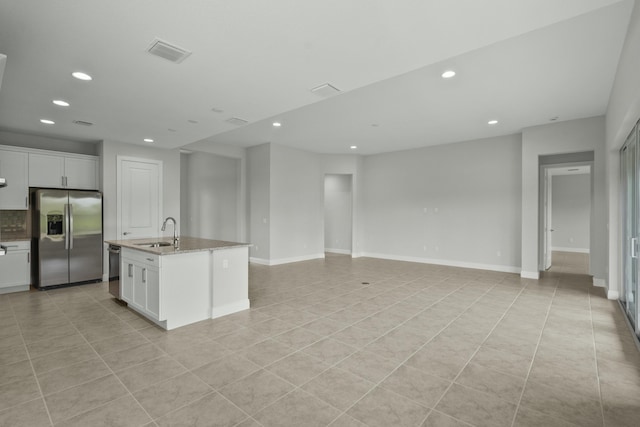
x=424 y=248
x=225 y=263
x=499 y=254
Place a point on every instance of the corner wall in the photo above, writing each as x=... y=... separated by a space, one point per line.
x=562 y=138
x=622 y=113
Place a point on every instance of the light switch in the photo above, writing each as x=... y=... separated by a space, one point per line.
x=225 y=263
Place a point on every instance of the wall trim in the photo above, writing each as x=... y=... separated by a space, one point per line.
x=600 y=283
x=535 y=275
x=450 y=263
x=280 y=261
x=338 y=251
x=575 y=250
x=611 y=294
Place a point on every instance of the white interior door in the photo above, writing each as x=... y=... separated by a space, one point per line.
x=139 y=198
x=547 y=220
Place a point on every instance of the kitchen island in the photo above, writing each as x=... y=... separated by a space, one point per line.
x=177 y=285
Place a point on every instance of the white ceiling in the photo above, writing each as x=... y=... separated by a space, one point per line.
x=520 y=62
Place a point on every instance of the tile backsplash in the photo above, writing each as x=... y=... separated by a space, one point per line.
x=14 y=225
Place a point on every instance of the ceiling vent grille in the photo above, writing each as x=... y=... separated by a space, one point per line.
x=325 y=90
x=82 y=123
x=168 y=51
x=236 y=121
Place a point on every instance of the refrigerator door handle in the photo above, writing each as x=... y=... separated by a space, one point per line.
x=66 y=226
x=70 y=230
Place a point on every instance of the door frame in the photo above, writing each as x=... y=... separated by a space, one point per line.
x=324 y=225
x=542 y=215
x=119 y=160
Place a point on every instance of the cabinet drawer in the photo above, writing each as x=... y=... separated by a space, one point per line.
x=140 y=257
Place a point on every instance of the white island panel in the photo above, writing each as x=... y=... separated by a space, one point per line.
x=230 y=271
x=186 y=288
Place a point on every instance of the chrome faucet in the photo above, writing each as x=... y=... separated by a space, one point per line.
x=176 y=239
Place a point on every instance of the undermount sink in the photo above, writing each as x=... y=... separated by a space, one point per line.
x=154 y=244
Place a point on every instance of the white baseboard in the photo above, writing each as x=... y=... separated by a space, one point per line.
x=576 y=250
x=338 y=251
x=230 y=308
x=280 y=261
x=611 y=294
x=450 y=263
x=10 y=289
x=356 y=255
x=535 y=275
x=600 y=283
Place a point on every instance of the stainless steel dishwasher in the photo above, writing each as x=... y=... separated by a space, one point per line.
x=114 y=271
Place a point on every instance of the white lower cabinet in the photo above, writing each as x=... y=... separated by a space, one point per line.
x=140 y=283
x=171 y=290
x=15 y=273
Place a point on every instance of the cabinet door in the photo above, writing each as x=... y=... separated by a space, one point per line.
x=152 y=277
x=46 y=170
x=15 y=269
x=126 y=280
x=81 y=173
x=139 y=287
x=14 y=168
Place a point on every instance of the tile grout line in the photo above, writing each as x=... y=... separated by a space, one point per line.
x=108 y=367
x=453 y=381
x=412 y=354
x=595 y=352
x=33 y=370
x=533 y=359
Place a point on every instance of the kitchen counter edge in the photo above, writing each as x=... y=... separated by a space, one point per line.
x=186 y=245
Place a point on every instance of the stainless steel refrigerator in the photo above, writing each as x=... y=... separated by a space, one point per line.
x=67 y=237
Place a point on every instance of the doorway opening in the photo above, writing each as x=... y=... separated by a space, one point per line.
x=338 y=214
x=566 y=209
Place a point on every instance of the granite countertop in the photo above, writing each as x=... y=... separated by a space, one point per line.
x=186 y=244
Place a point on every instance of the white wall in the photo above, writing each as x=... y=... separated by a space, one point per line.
x=571 y=212
x=455 y=204
x=258 y=201
x=560 y=138
x=337 y=213
x=296 y=205
x=210 y=192
x=622 y=113
x=109 y=150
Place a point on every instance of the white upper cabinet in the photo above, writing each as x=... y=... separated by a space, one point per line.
x=59 y=171
x=46 y=170
x=81 y=173
x=14 y=168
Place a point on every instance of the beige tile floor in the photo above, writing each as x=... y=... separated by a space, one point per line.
x=337 y=342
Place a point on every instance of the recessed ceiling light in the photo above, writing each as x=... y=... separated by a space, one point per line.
x=148 y=140
x=492 y=122
x=353 y=147
x=277 y=124
x=554 y=118
x=61 y=103
x=47 y=121
x=374 y=125
x=192 y=121
x=448 y=74
x=172 y=130
x=81 y=76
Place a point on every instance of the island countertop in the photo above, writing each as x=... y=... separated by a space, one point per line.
x=186 y=244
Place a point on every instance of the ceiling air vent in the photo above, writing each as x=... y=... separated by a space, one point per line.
x=325 y=90
x=82 y=123
x=236 y=121
x=168 y=51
